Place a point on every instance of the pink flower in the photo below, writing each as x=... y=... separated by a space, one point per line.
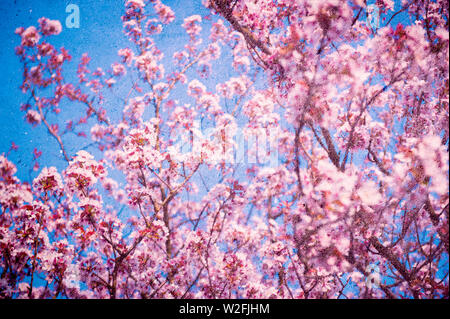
x=118 y=69
x=191 y=28
x=30 y=37
x=23 y=287
x=45 y=49
x=153 y=27
x=369 y=194
x=214 y=51
x=434 y=159
x=33 y=117
x=98 y=131
x=83 y=173
x=127 y=55
x=135 y=3
x=196 y=88
x=19 y=30
x=442 y=33
x=135 y=107
x=7 y=168
x=35 y=75
x=164 y=12
x=109 y=82
x=50 y=27
x=48 y=180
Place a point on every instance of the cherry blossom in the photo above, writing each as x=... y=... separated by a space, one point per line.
x=321 y=153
